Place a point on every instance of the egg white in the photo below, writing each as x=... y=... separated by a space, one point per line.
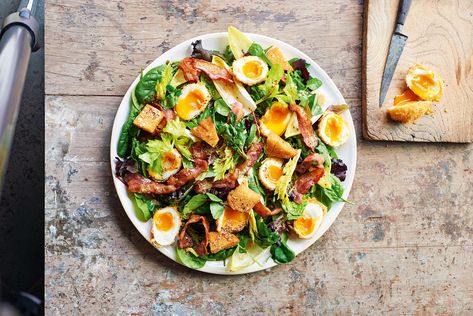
x=182 y=111
x=316 y=211
x=168 y=170
x=263 y=172
x=238 y=65
x=166 y=238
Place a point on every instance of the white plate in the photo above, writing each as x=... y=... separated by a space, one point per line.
x=218 y=41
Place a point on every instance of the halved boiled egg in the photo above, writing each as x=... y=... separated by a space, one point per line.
x=276 y=119
x=171 y=162
x=424 y=82
x=166 y=225
x=270 y=172
x=232 y=221
x=250 y=70
x=333 y=130
x=405 y=97
x=307 y=225
x=192 y=101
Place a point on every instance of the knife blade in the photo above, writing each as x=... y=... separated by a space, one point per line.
x=398 y=41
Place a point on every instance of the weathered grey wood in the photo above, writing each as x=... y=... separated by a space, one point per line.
x=404 y=247
x=99 y=47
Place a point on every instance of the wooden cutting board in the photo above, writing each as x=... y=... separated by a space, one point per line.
x=440 y=37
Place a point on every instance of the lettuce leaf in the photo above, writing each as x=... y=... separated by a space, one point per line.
x=181 y=136
x=166 y=77
x=155 y=149
x=188 y=259
x=145 y=207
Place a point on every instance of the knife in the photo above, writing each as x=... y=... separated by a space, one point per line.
x=398 y=40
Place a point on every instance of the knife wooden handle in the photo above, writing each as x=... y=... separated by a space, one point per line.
x=402 y=12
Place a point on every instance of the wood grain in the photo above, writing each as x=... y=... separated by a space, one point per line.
x=99 y=47
x=441 y=37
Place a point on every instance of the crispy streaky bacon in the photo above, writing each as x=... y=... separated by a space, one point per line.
x=312 y=160
x=262 y=210
x=305 y=182
x=185 y=241
x=192 y=67
x=230 y=179
x=139 y=184
x=305 y=126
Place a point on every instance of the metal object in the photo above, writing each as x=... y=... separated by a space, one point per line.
x=18 y=38
x=398 y=41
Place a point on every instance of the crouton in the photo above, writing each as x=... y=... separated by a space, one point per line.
x=206 y=131
x=149 y=118
x=242 y=199
x=221 y=241
x=276 y=56
x=278 y=148
x=232 y=221
x=410 y=111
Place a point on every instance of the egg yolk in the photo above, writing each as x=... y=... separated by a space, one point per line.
x=304 y=225
x=274 y=173
x=164 y=221
x=333 y=128
x=193 y=101
x=231 y=214
x=170 y=160
x=405 y=97
x=252 y=69
x=424 y=82
x=276 y=118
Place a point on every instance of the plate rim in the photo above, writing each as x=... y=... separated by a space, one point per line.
x=116 y=129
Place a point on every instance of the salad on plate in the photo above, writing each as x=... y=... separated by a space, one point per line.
x=231 y=153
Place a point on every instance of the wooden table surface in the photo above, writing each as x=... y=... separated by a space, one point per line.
x=406 y=246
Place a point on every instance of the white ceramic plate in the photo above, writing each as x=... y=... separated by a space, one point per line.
x=218 y=41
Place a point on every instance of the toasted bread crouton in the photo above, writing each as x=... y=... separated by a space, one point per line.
x=278 y=148
x=221 y=241
x=149 y=118
x=242 y=199
x=410 y=111
x=206 y=131
x=232 y=221
x=276 y=56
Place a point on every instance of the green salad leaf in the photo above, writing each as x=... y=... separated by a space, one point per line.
x=235 y=134
x=292 y=209
x=270 y=88
x=228 y=55
x=280 y=251
x=256 y=50
x=328 y=196
x=163 y=82
x=128 y=130
x=145 y=90
x=155 y=149
x=197 y=201
x=188 y=259
x=216 y=209
x=172 y=95
x=221 y=255
x=221 y=107
x=145 y=207
x=264 y=237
